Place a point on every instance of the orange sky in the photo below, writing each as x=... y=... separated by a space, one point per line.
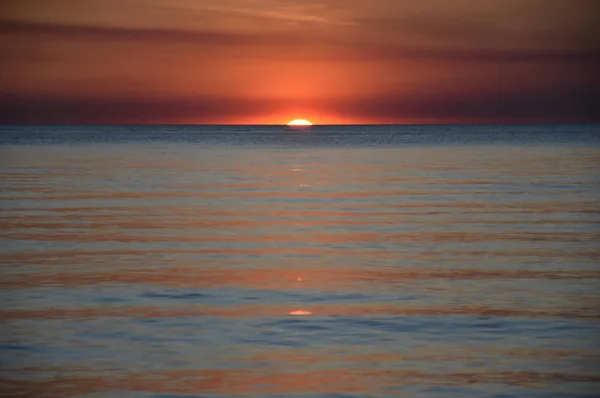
x=270 y=61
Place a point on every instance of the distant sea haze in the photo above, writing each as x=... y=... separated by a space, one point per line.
x=263 y=261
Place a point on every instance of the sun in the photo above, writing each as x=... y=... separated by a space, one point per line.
x=299 y=122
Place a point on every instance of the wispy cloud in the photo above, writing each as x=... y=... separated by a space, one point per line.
x=287 y=11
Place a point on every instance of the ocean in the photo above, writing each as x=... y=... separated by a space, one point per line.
x=336 y=261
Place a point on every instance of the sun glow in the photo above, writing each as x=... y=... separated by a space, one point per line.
x=299 y=122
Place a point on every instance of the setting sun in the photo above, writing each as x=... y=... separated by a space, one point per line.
x=299 y=122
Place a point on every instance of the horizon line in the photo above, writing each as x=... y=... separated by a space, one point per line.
x=306 y=127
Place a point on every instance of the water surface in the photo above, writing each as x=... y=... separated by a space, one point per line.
x=365 y=261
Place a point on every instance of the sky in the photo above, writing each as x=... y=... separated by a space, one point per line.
x=328 y=61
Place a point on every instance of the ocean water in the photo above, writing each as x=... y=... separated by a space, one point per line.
x=362 y=261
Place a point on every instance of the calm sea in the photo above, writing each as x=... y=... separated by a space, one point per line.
x=363 y=261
